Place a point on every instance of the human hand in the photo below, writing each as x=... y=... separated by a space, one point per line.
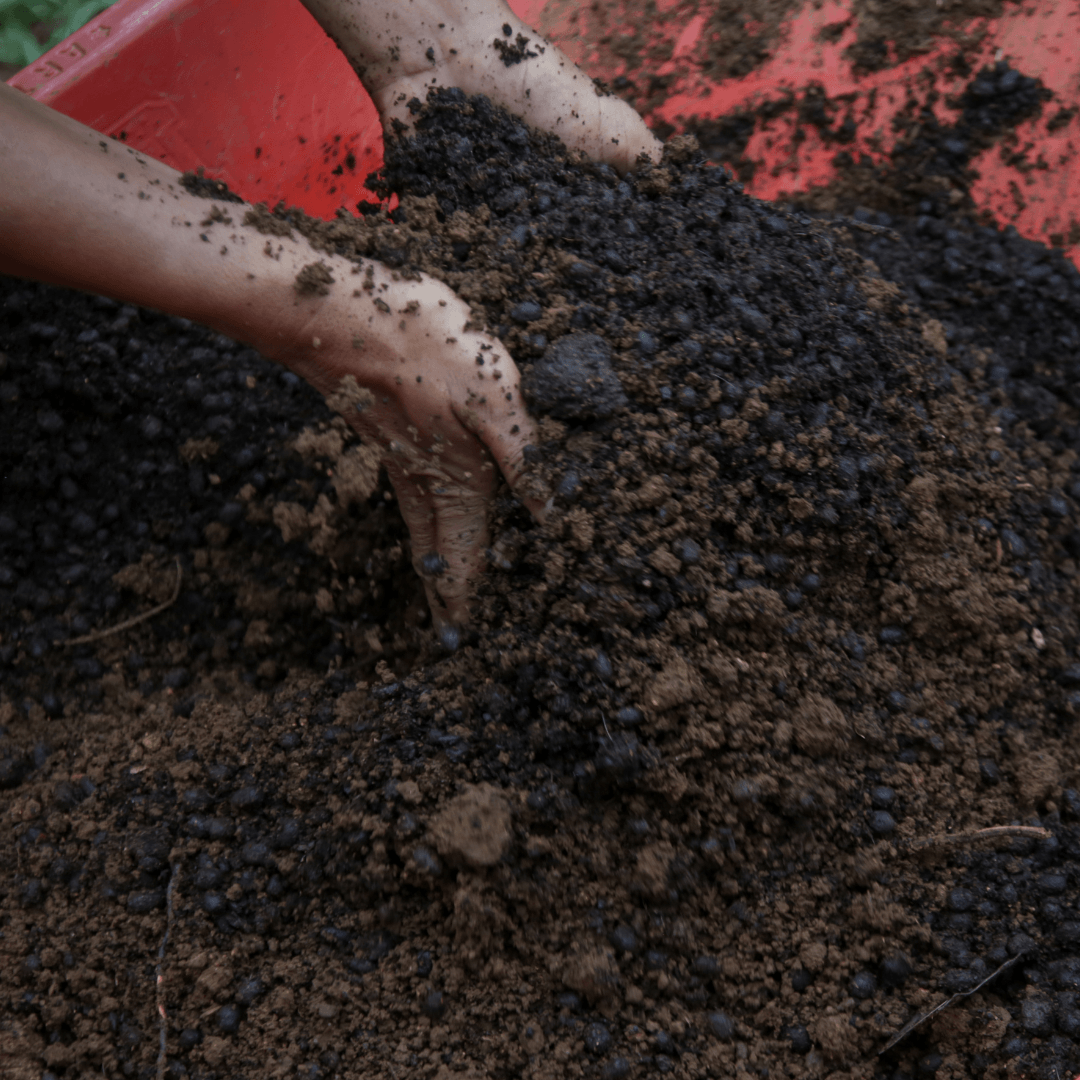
x=402 y=48
x=443 y=404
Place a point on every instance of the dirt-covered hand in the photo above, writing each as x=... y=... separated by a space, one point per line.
x=443 y=404
x=402 y=48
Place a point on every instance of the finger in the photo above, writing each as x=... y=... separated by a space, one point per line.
x=418 y=513
x=619 y=136
x=444 y=504
x=553 y=94
x=392 y=101
x=606 y=128
x=410 y=471
x=507 y=447
x=547 y=90
x=506 y=429
x=462 y=537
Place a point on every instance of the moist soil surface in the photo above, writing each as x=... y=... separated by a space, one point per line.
x=700 y=793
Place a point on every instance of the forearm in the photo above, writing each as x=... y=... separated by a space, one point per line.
x=81 y=210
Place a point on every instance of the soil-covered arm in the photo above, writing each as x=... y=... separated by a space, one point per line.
x=81 y=210
x=401 y=48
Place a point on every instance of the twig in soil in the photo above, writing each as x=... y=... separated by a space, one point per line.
x=918 y=1021
x=127 y=624
x=995 y=832
x=863 y=226
x=607 y=730
x=159 y=983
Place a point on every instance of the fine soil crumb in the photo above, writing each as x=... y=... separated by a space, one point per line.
x=260 y=218
x=198 y=183
x=314 y=279
x=474 y=827
x=348 y=397
x=808 y=597
x=511 y=53
x=149 y=577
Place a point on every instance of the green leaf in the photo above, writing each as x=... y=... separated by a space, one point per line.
x=62 y=11
x=41 y=10
x=15 y=13
x=18 y=46
x=77 y=16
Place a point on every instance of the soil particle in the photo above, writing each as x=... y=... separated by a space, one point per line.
x=820 y=728
x=314 y=279
x=931 y=162
x=198 y=183
x=644 y=51
x=891 y=34
x=574 y=380
x=473 y=828
x=511 y=53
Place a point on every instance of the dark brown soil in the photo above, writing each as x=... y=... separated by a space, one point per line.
x=635 y=37
x=679 y=803
x=628 y=41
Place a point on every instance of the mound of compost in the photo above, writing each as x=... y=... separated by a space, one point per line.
x=700 y=793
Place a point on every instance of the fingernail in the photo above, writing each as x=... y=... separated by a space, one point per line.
x=449 y=638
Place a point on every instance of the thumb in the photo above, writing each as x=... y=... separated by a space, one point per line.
x=507 y=439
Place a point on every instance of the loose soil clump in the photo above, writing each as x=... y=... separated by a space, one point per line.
x=677 y=803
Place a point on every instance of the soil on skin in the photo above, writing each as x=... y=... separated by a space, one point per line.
x=677 y=804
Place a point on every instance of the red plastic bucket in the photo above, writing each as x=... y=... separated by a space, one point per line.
x=255 y=92
x=252 y=90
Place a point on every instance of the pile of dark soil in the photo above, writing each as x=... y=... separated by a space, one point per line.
x=696 y=795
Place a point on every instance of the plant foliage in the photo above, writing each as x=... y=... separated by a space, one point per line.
x=19 y=19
